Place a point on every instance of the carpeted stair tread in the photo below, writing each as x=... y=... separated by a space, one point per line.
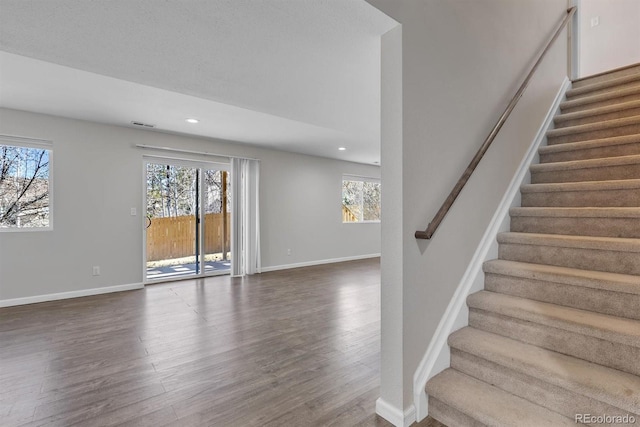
x=616 y=244
x=596 y=325
x=604 y=169
x=603 y=85
x=631 y=141
x=614 y=387
x=614 y=294
x=587 y=221
x=588 y=101
x=611 y=254
x=614 y=282
x=570 y=130
x=489 y=405
x=586 y=164
x=620 y=184
x=593 y=127
x=596 y=112
x=620 y=193
x=577 y=212
x=607 y=75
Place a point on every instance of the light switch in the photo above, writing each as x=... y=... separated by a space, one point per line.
x=595 y=21
x=134 y=212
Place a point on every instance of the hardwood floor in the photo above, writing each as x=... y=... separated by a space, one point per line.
x=290 y=348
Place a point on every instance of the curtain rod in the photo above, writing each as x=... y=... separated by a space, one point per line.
x=201 y=153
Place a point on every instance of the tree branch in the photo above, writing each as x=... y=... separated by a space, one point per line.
x=13 y=206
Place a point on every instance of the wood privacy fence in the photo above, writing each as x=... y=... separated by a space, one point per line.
x=175 y=237
x=348 y=215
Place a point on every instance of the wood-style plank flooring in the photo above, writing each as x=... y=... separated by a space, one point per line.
x=290 y=348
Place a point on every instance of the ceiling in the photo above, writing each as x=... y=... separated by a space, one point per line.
x=297 y=75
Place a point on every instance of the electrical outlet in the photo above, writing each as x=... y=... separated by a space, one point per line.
x=96 y=270
x=595 y=21
x=288 y=252
x=134 y=212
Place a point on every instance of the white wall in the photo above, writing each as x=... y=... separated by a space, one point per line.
x=391 y=264
x=615 y=41
x=98 y=178
x=461 y=63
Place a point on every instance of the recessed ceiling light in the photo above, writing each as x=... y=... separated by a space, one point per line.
x=342 y=148
x=192 y=120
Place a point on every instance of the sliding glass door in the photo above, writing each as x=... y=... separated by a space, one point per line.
x=188 y=220
x=217 y=220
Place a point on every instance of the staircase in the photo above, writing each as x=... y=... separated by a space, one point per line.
x=556 y=332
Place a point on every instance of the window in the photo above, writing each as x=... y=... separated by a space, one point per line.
x=25 y=184
x=360 y=199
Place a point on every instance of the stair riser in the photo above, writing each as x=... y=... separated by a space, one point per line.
x=595 y=134
x=628 y=71
x=607 y=353
x=449 y=416
x=584 y=298
x=572 y=95
x=603 y=103
x=605 y=198
x=629 y=112
x=604 y=173
x=557 y=399
x=592 y=153
x=585 y=259
x=600 y=227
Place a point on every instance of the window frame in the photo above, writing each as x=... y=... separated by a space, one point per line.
x=39 y=144
x=348 y=177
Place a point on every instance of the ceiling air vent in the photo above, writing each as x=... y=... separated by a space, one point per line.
x=144 y=125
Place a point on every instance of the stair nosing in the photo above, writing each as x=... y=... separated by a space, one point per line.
x=591 y=99
x=589 y=144
x=593 y=112
x=508 y=401
x=551 y=187
x=574 y=320
x=606 y=84
x=598 y=280
x=461 y=338
x=592 y=127
x=575 y=212
x=616 y=244
x=602 y=162
x=606 y=73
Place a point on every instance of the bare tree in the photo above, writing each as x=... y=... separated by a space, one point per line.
x=24 y=187
x=171 y=191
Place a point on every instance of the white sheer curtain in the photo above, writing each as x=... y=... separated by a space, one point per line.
x=245 y=225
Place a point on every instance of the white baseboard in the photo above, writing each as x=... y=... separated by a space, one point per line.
x=436 y=358
x=394 y=415
x=71 y=294
x=318 y=262
x=119 y=288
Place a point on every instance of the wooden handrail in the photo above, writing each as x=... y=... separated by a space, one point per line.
x=444 y=209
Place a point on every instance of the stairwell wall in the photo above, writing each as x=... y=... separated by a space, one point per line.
x=461 y=63
x=615 y=41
